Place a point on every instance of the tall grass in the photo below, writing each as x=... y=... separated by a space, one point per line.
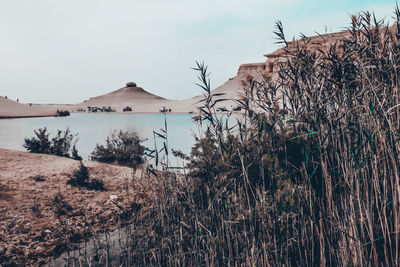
x=310 y=177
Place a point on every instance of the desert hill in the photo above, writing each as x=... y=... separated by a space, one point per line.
x=131 y=95
x=12 y=109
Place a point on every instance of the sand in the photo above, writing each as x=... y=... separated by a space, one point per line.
x=12 y=109
x=31 y=232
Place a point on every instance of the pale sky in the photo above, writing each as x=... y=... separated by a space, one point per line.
x=65 y=51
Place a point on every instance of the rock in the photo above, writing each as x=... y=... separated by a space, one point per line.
x=131 y=84
x=47 y=231
x=113 y=197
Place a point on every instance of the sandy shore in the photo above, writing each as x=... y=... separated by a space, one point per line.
x=32 y=230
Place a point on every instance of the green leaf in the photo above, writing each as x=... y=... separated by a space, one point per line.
x=160 y=135
x=365 y=161
x=371 y=107
x=165 y=148
x=390 y=202
x=312 y=174
x=310 y=132
x=307 y=157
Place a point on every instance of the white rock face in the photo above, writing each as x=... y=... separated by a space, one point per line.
x=113 y=197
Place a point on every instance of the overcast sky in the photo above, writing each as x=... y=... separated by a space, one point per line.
x=65 y=51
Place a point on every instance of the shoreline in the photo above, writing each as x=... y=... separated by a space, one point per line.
x=2 y=117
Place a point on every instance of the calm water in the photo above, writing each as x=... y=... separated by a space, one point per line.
x=94 y=128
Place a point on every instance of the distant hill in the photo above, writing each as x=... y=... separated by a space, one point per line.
x=12 y=109
x=131 y=95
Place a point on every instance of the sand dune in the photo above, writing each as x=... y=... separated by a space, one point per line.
x=135 y=97
x=12 y=109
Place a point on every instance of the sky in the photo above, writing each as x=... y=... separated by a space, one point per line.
x=66 y=51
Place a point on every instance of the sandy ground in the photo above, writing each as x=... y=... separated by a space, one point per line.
x=12 y=109
x=33 y=228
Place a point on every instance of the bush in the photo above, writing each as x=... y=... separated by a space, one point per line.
x=40 y=143
x=81 y=178
x=63 y=144
x=123 y=148
x=63 y=113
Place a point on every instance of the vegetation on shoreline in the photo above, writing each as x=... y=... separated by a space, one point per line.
x=123 y=148
x=63 y=144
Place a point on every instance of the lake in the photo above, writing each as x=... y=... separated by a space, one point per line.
x=94 y=128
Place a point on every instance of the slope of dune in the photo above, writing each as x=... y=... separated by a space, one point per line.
x=135 y=97
x=12 y=109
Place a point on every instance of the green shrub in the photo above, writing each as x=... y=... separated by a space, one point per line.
x=40 y=143
x=123 y=148
x=81 y=178
x=63 y=144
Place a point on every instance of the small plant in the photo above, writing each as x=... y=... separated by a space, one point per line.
x=123 y=148
x=81 y=178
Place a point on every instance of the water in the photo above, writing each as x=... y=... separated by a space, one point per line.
x=94 y=128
